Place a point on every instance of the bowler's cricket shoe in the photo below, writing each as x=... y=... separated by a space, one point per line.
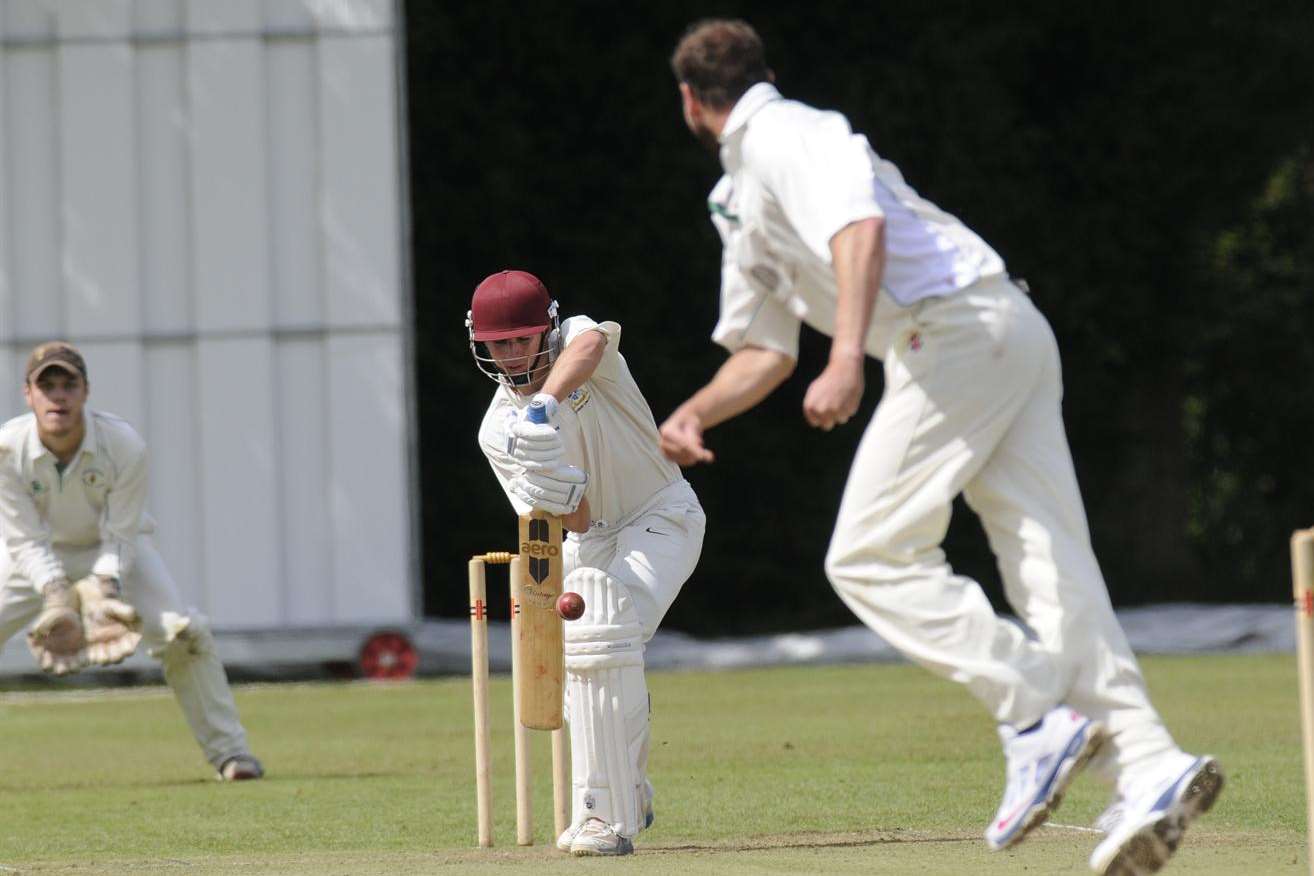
x=1150 y=821
x=240 y=768
x=1042 y=761
x=597 y=837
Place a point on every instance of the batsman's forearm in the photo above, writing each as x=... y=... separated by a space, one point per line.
x=745 y=379
x=575 y=365
x=577 y=520
x=858 y=253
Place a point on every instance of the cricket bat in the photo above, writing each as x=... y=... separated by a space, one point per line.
x=542 y=660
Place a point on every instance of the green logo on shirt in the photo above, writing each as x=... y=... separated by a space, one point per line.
x=722 y=210
x=38 y=488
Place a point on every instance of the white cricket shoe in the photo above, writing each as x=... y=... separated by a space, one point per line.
x=646 y=792
x=1145 y=827
x=597 y=837
x=1041 y=763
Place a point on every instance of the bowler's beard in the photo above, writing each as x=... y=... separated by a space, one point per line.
x=707 y=137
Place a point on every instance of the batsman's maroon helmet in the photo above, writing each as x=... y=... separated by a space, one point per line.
x=512 y=304
x=509 y=304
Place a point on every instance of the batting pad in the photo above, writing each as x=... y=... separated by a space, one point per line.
x=607 y=702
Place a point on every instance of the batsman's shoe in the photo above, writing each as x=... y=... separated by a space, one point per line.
x=597 y=837
x=1041 y=762
x=1145 y=828
x=240 y=768
x=567 y=837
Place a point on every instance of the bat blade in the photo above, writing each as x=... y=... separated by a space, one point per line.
x=542 y=661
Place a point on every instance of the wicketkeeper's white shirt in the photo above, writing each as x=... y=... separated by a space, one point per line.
x=97 y=500
x=794 y=176
x=606 y=426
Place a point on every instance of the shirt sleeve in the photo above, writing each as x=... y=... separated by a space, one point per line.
x=26 y=536
x=575 y=326
x=492 y=441
x=819 y=171
x=125 y=508
x=750 y=317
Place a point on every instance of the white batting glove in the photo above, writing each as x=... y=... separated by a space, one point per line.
x=56 y=639
x=556 y=491
x=536 y=445
x=111 y=626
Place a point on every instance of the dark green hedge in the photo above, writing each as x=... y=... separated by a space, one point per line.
x=1147 y=167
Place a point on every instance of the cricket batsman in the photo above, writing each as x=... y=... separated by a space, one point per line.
x=817 y=228
x=634 y=529
x=78 y=562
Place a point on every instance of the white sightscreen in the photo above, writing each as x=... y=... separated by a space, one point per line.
x=206 y=197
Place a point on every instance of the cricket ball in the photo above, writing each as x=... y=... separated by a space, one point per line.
x=570 y=606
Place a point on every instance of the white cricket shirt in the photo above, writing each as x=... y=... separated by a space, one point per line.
x=606 y=426
x=97 y=500
x=794 y=176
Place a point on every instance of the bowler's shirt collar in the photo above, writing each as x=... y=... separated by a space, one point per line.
x=749 y=103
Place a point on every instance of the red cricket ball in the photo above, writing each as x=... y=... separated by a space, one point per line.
x=570 y=606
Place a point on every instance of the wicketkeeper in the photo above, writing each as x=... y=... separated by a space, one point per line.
x=635 y=529
x=78 y=562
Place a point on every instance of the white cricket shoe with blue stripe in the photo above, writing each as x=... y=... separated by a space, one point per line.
x=1041 y=762
x=1145 y=828
x=596 y=837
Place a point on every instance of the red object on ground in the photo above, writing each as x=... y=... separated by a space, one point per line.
x=388 y=656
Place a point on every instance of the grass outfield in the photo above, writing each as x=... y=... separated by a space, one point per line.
x=855 y=769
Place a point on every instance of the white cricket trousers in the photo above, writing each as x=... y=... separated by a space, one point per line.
x=972 y=405
x=653 y=554
x=191 y=665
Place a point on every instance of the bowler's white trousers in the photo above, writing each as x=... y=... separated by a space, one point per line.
x=191 y=665
x=972 y=405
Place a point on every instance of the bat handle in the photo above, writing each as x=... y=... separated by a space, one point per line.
x=537 y=412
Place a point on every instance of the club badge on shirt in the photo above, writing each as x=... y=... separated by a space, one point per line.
x=579 y=398
x=93 y=478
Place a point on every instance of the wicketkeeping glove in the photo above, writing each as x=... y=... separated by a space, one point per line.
x=556 y=491
x=536 y=445
x=56 y=639
x=111 y=626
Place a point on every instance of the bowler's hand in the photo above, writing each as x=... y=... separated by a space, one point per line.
x=682 y=439
x=834 y=396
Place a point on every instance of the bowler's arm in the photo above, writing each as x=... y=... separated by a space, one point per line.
x=858 y=255
x=744 y=380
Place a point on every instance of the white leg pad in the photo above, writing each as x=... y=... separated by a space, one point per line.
x=607 y=702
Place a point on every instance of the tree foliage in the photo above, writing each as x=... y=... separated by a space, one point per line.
x=1146 y=168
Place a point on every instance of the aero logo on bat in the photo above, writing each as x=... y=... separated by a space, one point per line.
x=538 y=551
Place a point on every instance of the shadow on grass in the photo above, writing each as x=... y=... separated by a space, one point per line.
x=812 y=841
